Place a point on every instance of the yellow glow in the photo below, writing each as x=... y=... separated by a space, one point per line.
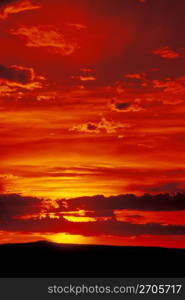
x=64 y=238
x=80 y=219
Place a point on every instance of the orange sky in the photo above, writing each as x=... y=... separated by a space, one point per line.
x=92 y=102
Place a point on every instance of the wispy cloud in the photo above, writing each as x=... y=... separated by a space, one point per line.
x=46 y=37
x=16 y=6
x=166 y=52
x=87 y=78
x=104 y=125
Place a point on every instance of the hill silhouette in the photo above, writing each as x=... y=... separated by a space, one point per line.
x=44 y=259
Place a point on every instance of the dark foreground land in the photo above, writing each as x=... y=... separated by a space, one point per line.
x=43 y=259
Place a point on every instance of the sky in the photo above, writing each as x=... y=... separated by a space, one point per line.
x=92 y=102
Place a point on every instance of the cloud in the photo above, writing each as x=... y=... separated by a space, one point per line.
x=88 y=127
x=109 y=227
x=148 y=217
x=16 y=73
x=29 y=214
x=18 y=76
x=15 y=6
x=125 y=107
x=167 y=91
x=13 y=205
x=170 y=85
x=103 y=125
x=84 y=78
x=87 y=78
x=77 y=26
x=6 y=90
x=146 y=202
x=46 y=37
x=169 y=187
x=86 y=70
x=139 y=76
x=166 y=52
x=173 y=90
x=50 y=97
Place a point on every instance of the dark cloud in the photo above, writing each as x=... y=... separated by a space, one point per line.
x=6 y=2
x=111 y=227
x=91 y=126
x=170 y=187
x=15 y=205
x=19 y=77
x=147 y=202
x=121 y=106
x=17 y=74
x=125 y=107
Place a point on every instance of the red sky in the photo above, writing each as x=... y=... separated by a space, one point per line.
x=92 y=102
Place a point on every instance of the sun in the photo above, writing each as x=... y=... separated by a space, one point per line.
x=65 y=238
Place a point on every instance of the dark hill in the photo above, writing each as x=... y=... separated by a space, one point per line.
x=43 y=259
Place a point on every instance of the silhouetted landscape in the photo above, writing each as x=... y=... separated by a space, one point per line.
x=44 y=259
